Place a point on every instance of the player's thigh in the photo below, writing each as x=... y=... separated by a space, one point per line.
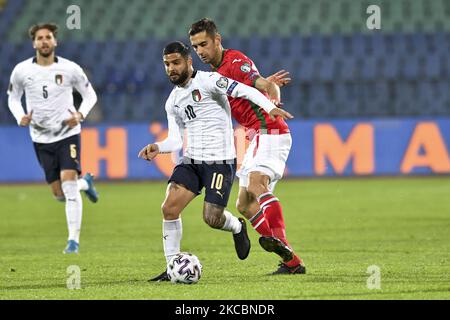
x=268 y=163
x=48 y=160
x=177 y=198
x=258 y=183
x=184 y=185
x=68 y=154
x=218 y=181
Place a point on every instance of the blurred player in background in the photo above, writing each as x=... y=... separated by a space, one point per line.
x=266 y=157
x=48 y=82
x=198 y=103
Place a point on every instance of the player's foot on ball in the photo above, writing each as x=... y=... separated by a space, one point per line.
x=91 y=193
x=72 y=247
x=284 y=269
x=272 y=244
x=162 y=277
x=242 y=241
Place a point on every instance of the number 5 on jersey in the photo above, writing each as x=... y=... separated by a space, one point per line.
x=44 y=92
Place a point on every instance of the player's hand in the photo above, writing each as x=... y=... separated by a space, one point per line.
x=280 y=78
x=149 y=152
x=277 y=112
x=75 y=120
x=277 y=102
x=26 y=119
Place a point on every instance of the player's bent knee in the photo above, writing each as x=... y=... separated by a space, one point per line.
x=241 y=207
x=213 y=221
x=170 y=211
x=213 y=215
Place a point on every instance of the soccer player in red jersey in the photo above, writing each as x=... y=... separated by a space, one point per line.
x=265 y=159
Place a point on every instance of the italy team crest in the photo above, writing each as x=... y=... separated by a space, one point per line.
x=196 y=95
x=59 y=79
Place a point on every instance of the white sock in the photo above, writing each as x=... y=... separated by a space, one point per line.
x=172 y=233
x=82 y=184
x=231 y=223
x=74 y=209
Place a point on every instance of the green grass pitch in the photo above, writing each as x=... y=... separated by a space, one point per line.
x=339 y=227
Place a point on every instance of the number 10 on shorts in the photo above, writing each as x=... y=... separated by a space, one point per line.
x=217 y=181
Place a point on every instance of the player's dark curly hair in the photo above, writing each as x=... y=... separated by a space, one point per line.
x=204 y=24
x=177 y=47
x=49 y=26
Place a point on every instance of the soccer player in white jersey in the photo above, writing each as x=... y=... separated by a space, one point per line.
x=199 y=105
x=48 y=82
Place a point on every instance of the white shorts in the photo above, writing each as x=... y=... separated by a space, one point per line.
x=267 y=153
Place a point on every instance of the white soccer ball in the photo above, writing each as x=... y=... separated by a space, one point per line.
x=184 y=268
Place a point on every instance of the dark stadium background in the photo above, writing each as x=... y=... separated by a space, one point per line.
x=342 y=72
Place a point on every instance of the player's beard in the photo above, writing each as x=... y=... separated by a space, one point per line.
x=47 y=53
x=181 y=78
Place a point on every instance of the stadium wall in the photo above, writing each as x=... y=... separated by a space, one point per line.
x=320 y=148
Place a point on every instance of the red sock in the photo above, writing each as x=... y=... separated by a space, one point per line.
x=259 y=223
x=271 y=207
x=294 y=262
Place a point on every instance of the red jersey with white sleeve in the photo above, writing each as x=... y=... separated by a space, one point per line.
x=237 y=66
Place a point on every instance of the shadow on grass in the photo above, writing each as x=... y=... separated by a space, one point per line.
x=84 y=285
x=376 y=293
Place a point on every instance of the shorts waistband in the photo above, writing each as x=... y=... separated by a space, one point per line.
x=273 y=131
x=186 y=160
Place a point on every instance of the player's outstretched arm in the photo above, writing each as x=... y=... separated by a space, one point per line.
x=240 y=90
x=149 y=152
x=15 y=93
x=277 y=112
x=172 y=143
x=280 y=78
x=272 y=85
x=271 y=88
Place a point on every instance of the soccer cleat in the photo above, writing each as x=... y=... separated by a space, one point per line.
x=242 y=241
x=284 y=269
x=162 y=277
x=272 y=244
x=91 y=193
x=72 y=247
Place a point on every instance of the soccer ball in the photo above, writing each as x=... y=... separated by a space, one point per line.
x=184 y=268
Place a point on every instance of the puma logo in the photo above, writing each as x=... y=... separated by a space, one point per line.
x=236 y=60
x=220 y=194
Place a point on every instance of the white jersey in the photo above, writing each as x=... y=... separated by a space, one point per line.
x=48 y=92
x=201 y=108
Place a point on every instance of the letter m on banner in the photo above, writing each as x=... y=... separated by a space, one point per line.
x=330 y=148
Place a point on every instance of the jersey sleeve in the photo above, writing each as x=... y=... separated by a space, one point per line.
x=15 y=93
x=81 y=83
x=243 y=70
x=174 y=140
x=219 y=84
